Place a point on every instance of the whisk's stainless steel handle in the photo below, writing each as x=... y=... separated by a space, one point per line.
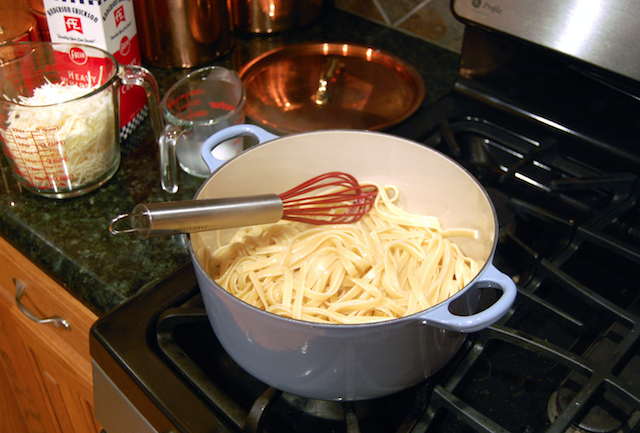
x=191 y=216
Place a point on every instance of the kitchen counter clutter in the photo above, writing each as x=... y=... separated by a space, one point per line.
x=69 y=239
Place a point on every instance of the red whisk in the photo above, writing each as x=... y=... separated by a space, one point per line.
x=331 y=198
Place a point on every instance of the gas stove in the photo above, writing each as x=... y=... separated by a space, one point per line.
x=552 y=136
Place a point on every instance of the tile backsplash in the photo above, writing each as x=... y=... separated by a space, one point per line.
x=431 y=20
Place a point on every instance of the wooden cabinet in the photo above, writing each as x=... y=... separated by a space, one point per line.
x=45 y=370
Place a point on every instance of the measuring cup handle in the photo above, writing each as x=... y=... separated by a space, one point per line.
x=134 y=75
x=168 y=158
x=226 y=134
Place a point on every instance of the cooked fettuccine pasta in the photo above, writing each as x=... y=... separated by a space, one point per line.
x=390 y=264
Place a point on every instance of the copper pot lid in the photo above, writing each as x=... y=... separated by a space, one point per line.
x=314 y=86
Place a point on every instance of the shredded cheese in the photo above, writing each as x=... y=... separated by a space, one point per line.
x=56 y=145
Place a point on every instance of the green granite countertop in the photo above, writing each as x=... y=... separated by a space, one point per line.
x=69 y=239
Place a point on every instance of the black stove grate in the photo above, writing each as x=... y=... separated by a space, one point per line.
x=565 y=356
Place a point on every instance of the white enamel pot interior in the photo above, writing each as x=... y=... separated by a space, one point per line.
x=351 y=362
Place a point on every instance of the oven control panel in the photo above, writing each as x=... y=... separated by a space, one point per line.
x=602 y=33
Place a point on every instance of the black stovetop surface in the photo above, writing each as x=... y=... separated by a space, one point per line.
x=568 y=238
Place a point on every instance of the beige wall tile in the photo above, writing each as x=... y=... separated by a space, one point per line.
x=431 y=20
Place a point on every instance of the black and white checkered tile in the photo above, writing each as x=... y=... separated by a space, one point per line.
x=128 y=129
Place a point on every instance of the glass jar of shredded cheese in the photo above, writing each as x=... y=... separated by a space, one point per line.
x=59 y=124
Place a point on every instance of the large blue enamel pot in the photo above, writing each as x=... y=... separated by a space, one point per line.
x=352 y=362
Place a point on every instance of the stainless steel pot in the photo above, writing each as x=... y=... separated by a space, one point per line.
x=183 y=33
x=273 y=16
x=352 y=362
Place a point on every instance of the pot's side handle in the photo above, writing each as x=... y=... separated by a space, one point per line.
x=441 y=317
x=226 y=134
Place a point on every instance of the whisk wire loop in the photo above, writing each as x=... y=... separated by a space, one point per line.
x=344 y=200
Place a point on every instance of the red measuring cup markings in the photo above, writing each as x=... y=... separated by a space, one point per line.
x=200 y=104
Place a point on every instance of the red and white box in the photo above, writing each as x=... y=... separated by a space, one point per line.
x=111 y=26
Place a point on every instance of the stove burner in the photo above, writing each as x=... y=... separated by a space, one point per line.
x=609 y=413
x=277 y=411
x=188 y=343
x=598 y=420
x=332 y=410
x=534 y=168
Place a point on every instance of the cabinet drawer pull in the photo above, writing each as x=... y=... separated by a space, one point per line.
x=56 y=320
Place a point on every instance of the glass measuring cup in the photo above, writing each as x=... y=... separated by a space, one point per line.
x=59 y=125
x=194 y=108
